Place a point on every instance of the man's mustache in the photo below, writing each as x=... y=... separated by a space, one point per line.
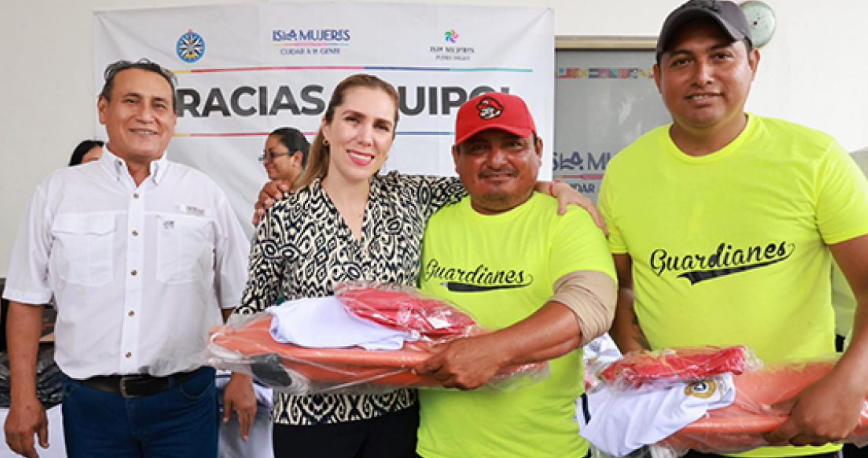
x=510 y=171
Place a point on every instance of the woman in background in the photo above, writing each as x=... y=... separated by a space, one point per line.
x=285 y=154
x=86 y=151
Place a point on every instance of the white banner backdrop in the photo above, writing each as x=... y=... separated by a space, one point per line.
x=245 y=70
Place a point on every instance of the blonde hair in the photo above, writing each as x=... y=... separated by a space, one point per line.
x=318 y=157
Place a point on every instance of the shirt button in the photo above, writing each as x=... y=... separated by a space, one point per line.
x=131 y=314
x=129 y=355
x=135 y=195
x=134 y=273
x=135 y=233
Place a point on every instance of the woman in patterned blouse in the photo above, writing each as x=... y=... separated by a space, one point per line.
x=345 y=222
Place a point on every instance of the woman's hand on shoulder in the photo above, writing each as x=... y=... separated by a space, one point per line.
x=271 y=192
x=566 y=195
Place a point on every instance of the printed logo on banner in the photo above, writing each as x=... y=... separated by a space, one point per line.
x=450 y=52
x=581 y=169
x=190 y=47
x=301 y=42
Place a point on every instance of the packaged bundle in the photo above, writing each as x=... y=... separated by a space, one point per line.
x=367 y=338
x=664 y=403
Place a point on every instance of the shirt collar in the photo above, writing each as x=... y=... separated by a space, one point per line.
x=117 y=167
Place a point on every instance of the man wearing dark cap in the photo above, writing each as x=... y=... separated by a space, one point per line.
x=723 y=226
x=544 y=283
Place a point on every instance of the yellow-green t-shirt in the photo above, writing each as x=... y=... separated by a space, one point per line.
x=501 y=269
x=731 y=248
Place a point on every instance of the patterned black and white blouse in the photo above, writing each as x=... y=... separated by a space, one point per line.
x=303 y=248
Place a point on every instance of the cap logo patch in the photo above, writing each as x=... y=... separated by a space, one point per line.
x=489 y=108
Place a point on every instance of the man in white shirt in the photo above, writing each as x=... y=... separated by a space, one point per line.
x=141 y=255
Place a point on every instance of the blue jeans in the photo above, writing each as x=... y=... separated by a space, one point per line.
x=179 y=422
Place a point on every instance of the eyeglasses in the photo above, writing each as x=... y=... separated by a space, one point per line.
x=271 y=156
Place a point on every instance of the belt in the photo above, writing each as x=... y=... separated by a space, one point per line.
x=136 y=386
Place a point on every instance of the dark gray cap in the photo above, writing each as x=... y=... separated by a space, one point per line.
x=728 y=15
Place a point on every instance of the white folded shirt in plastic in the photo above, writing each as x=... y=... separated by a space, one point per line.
x=601 y=351
x=619 y=422
x=323 y=322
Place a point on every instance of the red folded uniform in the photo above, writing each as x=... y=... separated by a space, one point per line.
x=405 y=310
x=668 y=366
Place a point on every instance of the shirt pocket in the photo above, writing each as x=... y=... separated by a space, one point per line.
x=83 y=251
x=184 y=248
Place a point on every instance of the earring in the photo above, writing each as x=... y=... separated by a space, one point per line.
x=325 y=142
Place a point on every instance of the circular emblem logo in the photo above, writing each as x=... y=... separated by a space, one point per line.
x=702 y=389
x=190 y=47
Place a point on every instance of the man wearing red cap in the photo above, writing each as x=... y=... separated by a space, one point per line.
x=543 y=283
x=723 y=223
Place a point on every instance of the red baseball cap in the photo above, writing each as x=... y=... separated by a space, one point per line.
x=494 y=110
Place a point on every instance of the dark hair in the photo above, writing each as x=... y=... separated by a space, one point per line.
x=82 y=149
x=319 y=151
x=294 y=141
x=112 y=70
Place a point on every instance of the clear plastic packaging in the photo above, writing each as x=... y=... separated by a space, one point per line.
x=741 y=426
x=738 y=427
x=245 y=345
x=405 y=309
x=642 y=368
x=598 y=354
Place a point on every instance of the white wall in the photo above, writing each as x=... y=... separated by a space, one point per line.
x=813 y=72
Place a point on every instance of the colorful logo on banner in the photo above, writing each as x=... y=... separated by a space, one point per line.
x=311 y=41
x=450 y=52
x=190 y=47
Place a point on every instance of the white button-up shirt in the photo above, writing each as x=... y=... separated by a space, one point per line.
x=138 y=274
